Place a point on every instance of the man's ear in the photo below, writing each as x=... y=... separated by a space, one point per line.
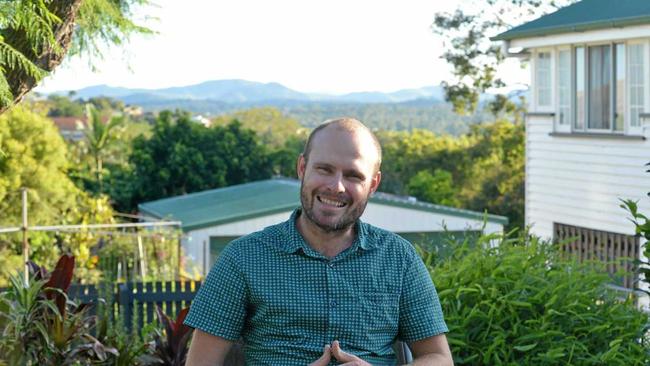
x=301 y=165
x=374 y=183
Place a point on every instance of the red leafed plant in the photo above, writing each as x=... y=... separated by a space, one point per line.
x=171 y=350
x=40 y=326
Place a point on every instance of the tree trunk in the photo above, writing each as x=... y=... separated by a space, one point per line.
x=21 y=83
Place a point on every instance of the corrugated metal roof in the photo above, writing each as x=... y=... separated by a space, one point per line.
x=582 y=16
x=266 y=197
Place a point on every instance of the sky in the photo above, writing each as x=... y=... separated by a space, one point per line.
x=325 y=46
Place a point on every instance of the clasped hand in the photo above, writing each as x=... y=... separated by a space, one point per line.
x=335 y=351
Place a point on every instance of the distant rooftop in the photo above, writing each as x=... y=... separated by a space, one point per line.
x=266 y=197
x=583 y=16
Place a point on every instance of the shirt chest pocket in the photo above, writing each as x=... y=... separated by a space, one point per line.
x=378 y=313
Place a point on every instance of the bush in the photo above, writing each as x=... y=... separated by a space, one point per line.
x=521 y=303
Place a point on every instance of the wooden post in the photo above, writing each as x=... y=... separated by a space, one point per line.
x=178 y=258
x=25 y=237
x=143 y=264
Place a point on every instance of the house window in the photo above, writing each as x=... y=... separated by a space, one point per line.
x=599 y=82
x=564 y=88
x=543 y=79
x=636 y=82
x=581 y=86
x=601 y=88
x=619 y=91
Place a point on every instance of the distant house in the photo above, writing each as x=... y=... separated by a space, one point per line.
x=68 y=127
x=211 y=219
x=588 y=123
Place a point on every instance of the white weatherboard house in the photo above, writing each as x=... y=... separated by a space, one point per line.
x=588 y=123
x=211 y=219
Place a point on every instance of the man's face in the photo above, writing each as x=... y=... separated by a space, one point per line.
x=338 y=178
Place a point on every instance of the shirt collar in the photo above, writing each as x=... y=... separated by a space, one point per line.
x=295 y=241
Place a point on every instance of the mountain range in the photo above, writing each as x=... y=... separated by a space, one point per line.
x=244 y=92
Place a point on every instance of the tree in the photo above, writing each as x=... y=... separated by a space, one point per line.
x=474 y=58
x=36 y=35
x=435 y=188
x=271 y=125
x=183 y=156
x=35 y=158
x=98 y=136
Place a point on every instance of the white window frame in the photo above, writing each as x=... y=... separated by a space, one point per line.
x=550 y=107
x=556 y=83
x=586 y=129
x=629 y=129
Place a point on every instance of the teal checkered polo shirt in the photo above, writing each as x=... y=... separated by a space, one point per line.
x=286 y=301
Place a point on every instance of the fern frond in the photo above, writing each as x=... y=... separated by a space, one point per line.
x=6 y=97
x=10 y=57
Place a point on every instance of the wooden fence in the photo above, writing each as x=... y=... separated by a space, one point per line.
x=617 y=251
x=135 y=303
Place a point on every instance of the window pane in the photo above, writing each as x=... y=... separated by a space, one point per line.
x=564 y=87
x=580 y=89
x=543 y=79
x=599 y=87
x=619 y=122
x=637 y=59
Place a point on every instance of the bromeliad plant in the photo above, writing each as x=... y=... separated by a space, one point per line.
x=170 y=348
x=40 y=325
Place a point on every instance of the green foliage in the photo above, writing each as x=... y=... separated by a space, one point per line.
x=34 y=37
x=642 y=228
x=98 y=137
x=486 y=167
x=105 y=21
x=521 y=303
x=171 y=344
x=272 y=127
x=437 y=188
x=182 y=156
x=40 y=326
x=35 y=158
x=64 y=107
x=474 y=58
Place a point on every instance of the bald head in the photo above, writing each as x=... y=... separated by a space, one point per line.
x=351 y=125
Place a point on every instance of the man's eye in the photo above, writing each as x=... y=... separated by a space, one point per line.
x=323 y=169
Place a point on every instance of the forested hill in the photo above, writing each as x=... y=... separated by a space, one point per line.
x=426 y=114
x=405 y=109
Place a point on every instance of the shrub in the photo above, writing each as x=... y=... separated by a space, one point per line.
x=521 y=303
x=39 y=325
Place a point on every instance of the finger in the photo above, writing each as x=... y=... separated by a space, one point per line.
x=341 y=355
x=325 y=358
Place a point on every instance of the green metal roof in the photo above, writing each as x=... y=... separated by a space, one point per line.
x=582 y=16
x=266 y=197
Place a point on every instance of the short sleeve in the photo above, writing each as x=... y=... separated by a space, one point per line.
x=219 y=307
x=420 y=312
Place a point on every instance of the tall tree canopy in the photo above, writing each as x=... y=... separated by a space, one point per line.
x=474 y=58
x=183 y=156
x=36 y=35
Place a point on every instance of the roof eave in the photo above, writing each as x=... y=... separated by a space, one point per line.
x=581 y=27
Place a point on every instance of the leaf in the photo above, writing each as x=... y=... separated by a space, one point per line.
x=525 y=348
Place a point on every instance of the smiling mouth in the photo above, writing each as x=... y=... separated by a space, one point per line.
x=331 y=202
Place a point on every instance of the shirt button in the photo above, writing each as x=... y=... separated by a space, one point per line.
x=330 y=264
x=333 y=304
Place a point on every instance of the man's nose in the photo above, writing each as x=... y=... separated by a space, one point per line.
x=336 y=183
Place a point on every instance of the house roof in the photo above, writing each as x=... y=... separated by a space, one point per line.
x=266 y=197
x=582 y=16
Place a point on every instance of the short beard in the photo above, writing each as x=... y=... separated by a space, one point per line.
x=347 y=221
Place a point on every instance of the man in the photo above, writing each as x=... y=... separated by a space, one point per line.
x=322 y=288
